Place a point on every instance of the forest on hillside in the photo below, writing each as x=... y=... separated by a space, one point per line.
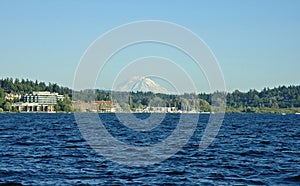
x=22 y=87
x=282 y=99
x=17 y=86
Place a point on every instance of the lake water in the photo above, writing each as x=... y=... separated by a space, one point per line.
x=250 y=149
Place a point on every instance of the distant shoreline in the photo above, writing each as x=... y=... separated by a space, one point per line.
x=16 y=95
x=200 y=113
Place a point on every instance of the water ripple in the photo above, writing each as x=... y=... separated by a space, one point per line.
x=48 y=149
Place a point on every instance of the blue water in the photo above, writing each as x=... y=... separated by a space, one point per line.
x=250 y=149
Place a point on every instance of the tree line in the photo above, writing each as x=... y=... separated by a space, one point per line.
x=278 y=99
x=269 y=100
x=282 y=99
x=23 y=86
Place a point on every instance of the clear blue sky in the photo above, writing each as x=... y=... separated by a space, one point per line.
x=256 y=42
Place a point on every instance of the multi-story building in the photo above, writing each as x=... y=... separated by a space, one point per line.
x=38 y=102
x=13 y=96
x=94 y=106
x=103 y=106
x=81 y=106
x=41 y=97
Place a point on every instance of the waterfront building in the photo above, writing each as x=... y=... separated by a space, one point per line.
x=162 y=109
x=38 y=102
x=94 y=106
x=103 y=106
x=12 y=96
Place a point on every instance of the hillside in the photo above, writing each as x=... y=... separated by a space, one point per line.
x=282 y=99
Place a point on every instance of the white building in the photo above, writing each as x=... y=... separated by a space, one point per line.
x=38 y=102
x=12 y=96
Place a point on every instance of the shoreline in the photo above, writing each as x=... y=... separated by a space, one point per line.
x=200 y=113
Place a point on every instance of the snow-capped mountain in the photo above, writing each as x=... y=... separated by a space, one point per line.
x=143 y=84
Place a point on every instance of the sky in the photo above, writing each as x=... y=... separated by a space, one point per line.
x=255 y=42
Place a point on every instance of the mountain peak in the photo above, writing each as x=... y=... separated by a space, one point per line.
x=143 y=84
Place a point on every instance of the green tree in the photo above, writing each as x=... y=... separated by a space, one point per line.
x=2 y=97
x=7 y=106
x=204 y=106
x=130 y=101
x=64 y=105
